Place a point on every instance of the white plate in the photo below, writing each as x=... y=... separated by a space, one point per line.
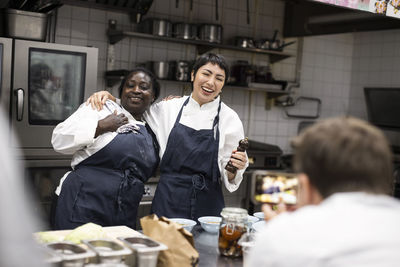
x=257 y=226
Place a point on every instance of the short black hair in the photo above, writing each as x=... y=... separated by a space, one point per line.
x=154 y=82
x=213 y=59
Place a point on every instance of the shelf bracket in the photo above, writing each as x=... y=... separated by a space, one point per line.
x=114 y=36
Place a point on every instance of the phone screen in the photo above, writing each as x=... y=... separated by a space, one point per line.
x=274 y=188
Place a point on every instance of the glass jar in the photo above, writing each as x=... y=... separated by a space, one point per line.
x=233 y=225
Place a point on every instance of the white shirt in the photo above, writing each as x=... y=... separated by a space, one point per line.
x=75 y=135
x=346 y=229
x=162 y=116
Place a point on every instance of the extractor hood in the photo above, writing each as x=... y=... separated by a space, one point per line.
x=307 y=18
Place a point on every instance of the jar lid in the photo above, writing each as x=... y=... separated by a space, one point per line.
x=234 y=213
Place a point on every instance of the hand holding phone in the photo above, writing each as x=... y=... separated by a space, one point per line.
x=275 y=188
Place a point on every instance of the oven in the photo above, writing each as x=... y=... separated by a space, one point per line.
x=48 y=82
x=41 y=84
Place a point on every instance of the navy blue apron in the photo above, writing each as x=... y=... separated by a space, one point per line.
x=190 y=185
x=106 y=188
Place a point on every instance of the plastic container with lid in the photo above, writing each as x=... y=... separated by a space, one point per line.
x=233 y=225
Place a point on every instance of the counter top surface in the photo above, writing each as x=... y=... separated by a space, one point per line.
x=207 y=246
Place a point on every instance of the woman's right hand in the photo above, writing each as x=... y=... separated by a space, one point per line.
x=98 y=99
x=110 y=123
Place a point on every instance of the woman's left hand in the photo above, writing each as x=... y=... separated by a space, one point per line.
x=238 y=159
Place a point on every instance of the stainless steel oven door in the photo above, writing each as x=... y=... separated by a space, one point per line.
x=5 y=73
x=50 y=81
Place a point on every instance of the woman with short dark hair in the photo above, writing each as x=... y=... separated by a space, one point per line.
x=198 y=136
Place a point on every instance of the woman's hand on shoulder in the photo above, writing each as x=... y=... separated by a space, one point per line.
x=111 y=123
x=98 y=99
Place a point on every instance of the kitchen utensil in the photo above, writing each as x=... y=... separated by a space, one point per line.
x=25 y=25
x=186 y=223
x=274 y=43
x=248 y=11
x=107 y=251
x=251 y=220
x=300 y=99
x=141 y=8
x=185 y=30
x=182 y=72
x=145 y=251
x=210 y=223
x=216 y=10
x=71 y=254
x=159 y=27
x=263 y=43
x=245 y=42
x=280 y=48
x=161 y=69
x=211 y=33
x=259 y=215
x=247 y=241
x=258 y=226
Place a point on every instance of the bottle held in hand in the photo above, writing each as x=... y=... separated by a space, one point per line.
x=243 y=145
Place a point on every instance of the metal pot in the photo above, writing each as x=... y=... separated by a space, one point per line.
x=161 y=69
x=245 y=42
x=185 y=30
x=159 y=27
x=182 y=71
x=211 y=33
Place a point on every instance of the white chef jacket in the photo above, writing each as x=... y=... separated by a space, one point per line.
x=346 y=229
x=162 y=116
x=75 y=135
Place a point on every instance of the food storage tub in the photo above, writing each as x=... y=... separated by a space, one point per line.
x=107 y=251
x=145 y=251
x=25 y=25
x=72 y=255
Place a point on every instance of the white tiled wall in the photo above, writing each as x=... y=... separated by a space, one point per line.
x=375 y=64
x=326 y=72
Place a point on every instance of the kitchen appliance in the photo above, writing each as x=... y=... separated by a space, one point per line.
x=211 y=33
x=48 y=82
x=41 y=85
x=159 y=27
x=25 y=25
x=185 y=30
x=383 y=107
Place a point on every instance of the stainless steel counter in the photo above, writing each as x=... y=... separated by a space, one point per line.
x=207 y=246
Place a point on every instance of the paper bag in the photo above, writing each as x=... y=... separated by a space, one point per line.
x=181 y=251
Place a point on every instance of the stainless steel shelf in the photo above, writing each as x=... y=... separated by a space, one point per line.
x=202 y=46
x=112 y=80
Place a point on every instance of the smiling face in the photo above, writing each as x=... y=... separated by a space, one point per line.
x=137 y=94
x=208 y=83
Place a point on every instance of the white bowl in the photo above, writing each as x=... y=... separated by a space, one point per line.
x=251 y=220
x=210 y=223
x=259 y=215
x=257 y=226
x=186 y=223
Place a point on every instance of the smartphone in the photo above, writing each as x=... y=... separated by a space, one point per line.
x=275 y=187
